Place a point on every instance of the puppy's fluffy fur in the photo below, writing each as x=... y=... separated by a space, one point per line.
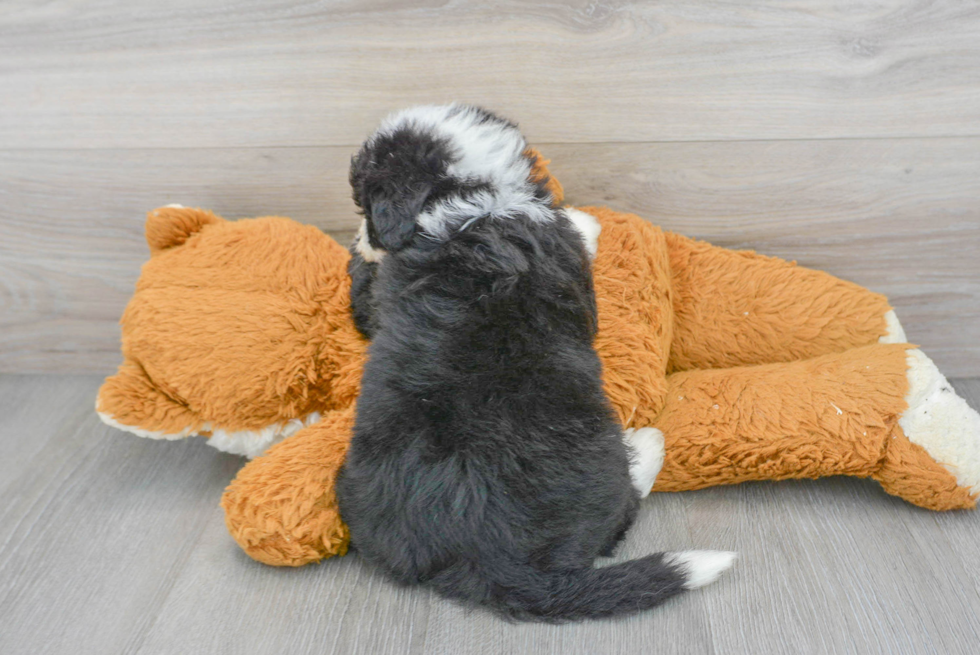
x=486 y=460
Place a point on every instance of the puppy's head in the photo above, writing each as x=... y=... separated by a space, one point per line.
x=430 y=170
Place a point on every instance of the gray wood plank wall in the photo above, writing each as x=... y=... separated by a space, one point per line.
x=845 y=136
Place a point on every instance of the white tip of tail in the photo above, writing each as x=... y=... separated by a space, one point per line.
x=702 y=566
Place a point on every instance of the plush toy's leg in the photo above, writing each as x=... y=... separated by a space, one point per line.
x=281 y=507
x=838 y=414
x=940 y=426
x=737 y=308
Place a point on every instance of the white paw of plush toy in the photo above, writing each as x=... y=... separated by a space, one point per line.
x=942 y=422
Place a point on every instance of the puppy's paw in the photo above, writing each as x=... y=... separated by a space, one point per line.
x=647 y=451
x=587 y=226
x=941 y=422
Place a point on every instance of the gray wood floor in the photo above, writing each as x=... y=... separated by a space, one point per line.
x=114 y=544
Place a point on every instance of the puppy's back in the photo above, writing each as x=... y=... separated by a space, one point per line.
x=486 y=461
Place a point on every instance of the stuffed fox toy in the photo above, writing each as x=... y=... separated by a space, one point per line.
x=750 y=367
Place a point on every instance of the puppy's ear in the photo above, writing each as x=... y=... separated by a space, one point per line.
x=393 y=216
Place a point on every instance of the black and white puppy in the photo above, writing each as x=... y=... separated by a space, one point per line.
x=486 y=460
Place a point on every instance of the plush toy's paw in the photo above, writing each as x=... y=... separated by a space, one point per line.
x=252 y=443
x=894 y=332
x=587 y=226
x=942 y=422
x=647 y=446
x=281 y=507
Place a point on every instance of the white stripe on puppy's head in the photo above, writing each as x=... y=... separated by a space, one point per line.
x=430 y=169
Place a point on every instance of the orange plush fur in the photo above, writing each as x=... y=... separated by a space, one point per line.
x=753 y=368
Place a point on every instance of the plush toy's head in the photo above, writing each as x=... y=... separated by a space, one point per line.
x=241 y=330
x=237 y=330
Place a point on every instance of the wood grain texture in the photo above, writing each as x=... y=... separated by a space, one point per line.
x=114 y=544
x=259 y=73
x=73 y=233
x=899 y=216
x=839 y=553
x=94 y=524
x=27 y=425
x=792 y=128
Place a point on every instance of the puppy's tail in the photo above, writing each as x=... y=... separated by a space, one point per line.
x=618 y=589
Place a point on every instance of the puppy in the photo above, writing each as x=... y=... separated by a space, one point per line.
x=486 y=461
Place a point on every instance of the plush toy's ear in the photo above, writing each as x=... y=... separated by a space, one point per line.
x=540 y=173
x=172 y=225
x=130 y=401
